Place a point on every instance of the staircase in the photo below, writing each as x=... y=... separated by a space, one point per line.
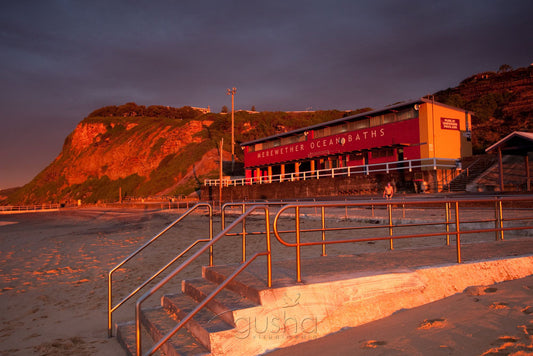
x=472 y=170
x=208 y=331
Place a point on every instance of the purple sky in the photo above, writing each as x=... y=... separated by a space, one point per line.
x=62 y=59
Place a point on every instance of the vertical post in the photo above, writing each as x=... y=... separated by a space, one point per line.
x=458 y=234
x=232 y=92
x=345 y=210
x=243 y=234
x=500 y=166
x=447 y=211
x=389 y=208
x=120 y=195
x=211 y=233
x=499 y=219
x=109 y=307
x=269 y=249
x=298 y=261
x=220 y=173
x=323 y=217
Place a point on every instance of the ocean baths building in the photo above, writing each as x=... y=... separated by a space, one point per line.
x=417 y=145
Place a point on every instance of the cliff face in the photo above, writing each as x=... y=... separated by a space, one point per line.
x=139 y=155
x=120 y=149
x=148 y=151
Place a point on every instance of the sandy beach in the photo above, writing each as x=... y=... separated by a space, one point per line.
x=53 y=291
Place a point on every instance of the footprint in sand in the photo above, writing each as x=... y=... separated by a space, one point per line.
x=372 y=344
x=491 y=290
x=528 y=310
x=432 y=323
x=499 y=305
x=505 y=340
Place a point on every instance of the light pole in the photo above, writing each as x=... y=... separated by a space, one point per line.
x=232 y=92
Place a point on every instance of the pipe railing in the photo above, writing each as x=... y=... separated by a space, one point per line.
x=390 y=206
x=191 y=259
x=298 y=230
x=112 y=308
x=29 y=208
x=387 y=167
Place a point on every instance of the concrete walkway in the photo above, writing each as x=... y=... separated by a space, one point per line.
x=350 y=290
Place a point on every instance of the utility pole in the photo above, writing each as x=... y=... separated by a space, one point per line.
x=221 y=174
x=232 y=92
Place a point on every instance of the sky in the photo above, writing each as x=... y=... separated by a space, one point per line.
x=62 y=59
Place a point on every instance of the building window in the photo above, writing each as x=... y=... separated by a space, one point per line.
x=376 y=120
x=326 y=131
x=359 y=124
x=339 y=129
x=407 y=114
x=388 y=118
x=382 y=153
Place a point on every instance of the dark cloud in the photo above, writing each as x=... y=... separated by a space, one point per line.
x=62 y=59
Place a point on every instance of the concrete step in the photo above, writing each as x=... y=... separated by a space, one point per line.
x=224 y=305
x=247 y=285
x=157 y=323
x=204 y=323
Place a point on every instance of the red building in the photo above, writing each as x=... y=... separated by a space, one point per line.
x=420 y=134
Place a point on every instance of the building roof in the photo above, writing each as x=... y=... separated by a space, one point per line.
x=516 y=143
x=350 y=118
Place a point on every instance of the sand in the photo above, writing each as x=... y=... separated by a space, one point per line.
x=53 y=291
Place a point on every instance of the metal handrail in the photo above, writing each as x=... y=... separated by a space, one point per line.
x=298 y=244
x=433 y=163
x=243 y=234
x=29 y=208
x=186 y=263
x=112 y=308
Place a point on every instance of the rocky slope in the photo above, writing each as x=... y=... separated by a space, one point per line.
x=142 y=152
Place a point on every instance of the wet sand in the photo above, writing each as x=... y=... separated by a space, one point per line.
x=53 y=289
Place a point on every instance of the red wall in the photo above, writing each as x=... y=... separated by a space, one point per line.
x=402 y=132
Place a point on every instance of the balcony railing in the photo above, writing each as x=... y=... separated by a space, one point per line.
x=409 y=165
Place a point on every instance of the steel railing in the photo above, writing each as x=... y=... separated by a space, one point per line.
x=450 y=219
x=29 y=208
x=445 y=205
x=112 y=308
x=221 y=286
x=387 y=167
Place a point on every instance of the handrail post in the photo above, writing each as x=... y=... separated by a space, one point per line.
x=109 y=307
x=458 y=234
x=498 y=219
x=269 y=247
x=323 y=218
x=298 y=256
x=211 y=235
x=243 y=234
x=447 y=212
x=501 y=219
x=389 y=208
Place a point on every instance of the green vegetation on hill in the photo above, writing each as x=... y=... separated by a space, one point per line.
x=502 y=102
